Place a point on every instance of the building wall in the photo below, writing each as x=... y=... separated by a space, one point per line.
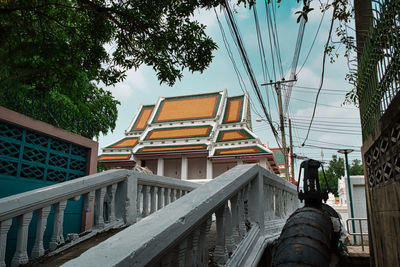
x=197 y=168
x=151 y=164
x=221 y=167
x=172 y=167
x=359 y=200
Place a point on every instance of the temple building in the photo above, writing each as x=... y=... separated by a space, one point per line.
x=193 y=137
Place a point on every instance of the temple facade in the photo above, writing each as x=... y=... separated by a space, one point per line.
x=193 y=137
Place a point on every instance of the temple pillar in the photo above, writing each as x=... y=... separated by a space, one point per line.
x=184 y=168
x=160 y=167
x=209 y=170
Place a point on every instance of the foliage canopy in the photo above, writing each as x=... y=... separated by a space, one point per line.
x=58 y=48
x=335 y=171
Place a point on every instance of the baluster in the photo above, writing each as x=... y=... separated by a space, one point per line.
x=146 y=190
x=220 y=254
x=229 y=242
x=183 y=192
x=99 y=208
x=246 y=202
x=167 y=260
x=242 y=216
x=153 y=199
x=276 y=201
x=203 y=243
x=181 y=253
x=88 y=200
x=41 y=215
x=21 y=254
x=269 y=202
x=160 y=198
x=111 y=189
x=279 y=203
x=195 y=247
x=4 y=227
x=178 y=193
x=167 y=196
x=139 y=199
x=173 y=195
x=235 y=218
x=284 y=204
x=57 y=238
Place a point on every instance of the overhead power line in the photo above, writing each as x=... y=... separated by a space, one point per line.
x=322 y=76
x=315 y=38
x=239 y=42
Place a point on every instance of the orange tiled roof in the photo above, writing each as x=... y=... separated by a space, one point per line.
x=113 y=157
x=239 y=151
x=231 y=135
x=179 y=132
x=188 y=107
x=143 y=117
x=233 y=109
x=165 y=149
x=126 y=142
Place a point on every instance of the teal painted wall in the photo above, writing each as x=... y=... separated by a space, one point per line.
x=31 y=160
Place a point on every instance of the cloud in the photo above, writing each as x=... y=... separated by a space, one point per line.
x=206 y=17
x=135 y=81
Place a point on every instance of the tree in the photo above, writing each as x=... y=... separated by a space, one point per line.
x=333 y=173
x=356 y=168
x=57 y=48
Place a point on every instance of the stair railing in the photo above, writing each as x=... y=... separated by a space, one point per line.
x=127 y=196
x=222 y=222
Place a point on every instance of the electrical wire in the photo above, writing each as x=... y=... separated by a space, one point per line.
x=322 y=76
x=315 y=38
x=232 y=23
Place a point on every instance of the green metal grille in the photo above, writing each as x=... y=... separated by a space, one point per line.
x=32 y=155
x=378 y=68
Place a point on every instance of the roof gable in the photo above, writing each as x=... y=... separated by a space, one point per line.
x=127 y=142
x=242 y=150
x=142 y=118
x=179 y=132
x=233 y=135
x=171 y=149
x=233 y=109
x=194 y=107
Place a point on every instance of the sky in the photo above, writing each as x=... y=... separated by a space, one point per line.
x=335 y=126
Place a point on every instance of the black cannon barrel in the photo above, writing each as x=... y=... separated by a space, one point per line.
x=305 y=239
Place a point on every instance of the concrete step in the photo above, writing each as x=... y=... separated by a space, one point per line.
x=72 y=252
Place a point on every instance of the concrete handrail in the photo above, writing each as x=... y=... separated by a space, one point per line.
x=15 y=205
x=177 y=235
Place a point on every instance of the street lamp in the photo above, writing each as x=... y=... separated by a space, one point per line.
x=345 y=152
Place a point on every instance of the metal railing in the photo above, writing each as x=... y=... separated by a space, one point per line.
x=354 y=233
x=378 y=80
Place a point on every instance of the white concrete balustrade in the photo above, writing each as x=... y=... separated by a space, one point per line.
x=126 y=196
x=248 y=203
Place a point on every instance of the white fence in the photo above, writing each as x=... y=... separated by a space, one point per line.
x=250 y=206
x=126 y=195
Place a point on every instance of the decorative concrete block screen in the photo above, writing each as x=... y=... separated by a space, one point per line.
x=35 y=159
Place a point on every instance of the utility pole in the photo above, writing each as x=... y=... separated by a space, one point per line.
x=291 y=149
x=282 y=122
